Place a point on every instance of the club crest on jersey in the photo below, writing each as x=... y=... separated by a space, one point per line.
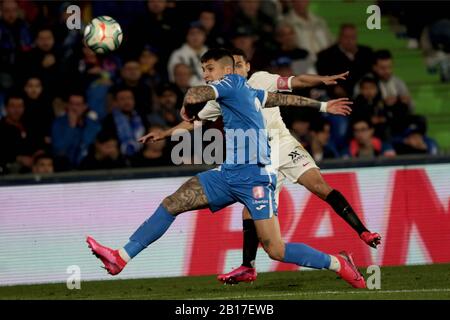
x=258 y=192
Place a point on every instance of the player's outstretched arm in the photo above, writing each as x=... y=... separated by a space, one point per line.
x=339 y=106
x=313 y=80
x=157 y=135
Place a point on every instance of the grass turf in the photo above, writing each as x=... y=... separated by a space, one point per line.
x=412 y=282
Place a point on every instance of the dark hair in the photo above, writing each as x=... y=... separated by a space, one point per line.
x=347 y=25
x=362 y=119
x=76 y=93
x=367 y=80
x=382 y=55
x=118 y=89
x=41 y=155
x=239 y=52
x=166 y=87
x=104 y=136
x=218 y=54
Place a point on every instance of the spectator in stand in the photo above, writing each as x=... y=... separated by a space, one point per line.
x=345 y=55
x=17 y=143
x=249 y=15
x=97 y=74
x=44 y=60
x=245 y=39
x=312 y=31
x=364 y=144
x=132 y=79
x=162 y=31
x=320 y=148
x=414 y=139
x=154 y=154
x=168 y=113
x=190 y=53
x=394 y=92
x=74 y=132
x=125 y=123
x=39 y=113
x=370 y=104
x=104 y=154
x=15 y=39
x=182 y=78
x=214 y=38
x=150 y=67
x=43 y=164
x=302 y=62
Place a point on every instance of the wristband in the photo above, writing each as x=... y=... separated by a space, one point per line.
x=323 y=107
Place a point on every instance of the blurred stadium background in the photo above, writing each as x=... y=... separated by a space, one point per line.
x=68 y=169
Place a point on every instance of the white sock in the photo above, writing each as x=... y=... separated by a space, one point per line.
x=124 y=255
x=335 y=265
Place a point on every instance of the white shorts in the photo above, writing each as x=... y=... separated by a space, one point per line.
x=293 y=161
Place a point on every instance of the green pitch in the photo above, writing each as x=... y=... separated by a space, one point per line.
x=414 y=282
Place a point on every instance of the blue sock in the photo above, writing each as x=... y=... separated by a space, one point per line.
x=305 y=256
x=151 y=230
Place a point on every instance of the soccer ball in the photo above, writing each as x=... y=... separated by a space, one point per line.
x=103 y=35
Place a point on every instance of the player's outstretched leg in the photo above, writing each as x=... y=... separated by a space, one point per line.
x=247 y=271
x=314 y=182
x=189 y=196
x=306 y=256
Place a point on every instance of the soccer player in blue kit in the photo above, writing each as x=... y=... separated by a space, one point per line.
x=244 y=177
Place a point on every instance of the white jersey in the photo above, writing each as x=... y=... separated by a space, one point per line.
x=265 y=81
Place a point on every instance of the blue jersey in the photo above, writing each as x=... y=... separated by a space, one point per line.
x=245 y=130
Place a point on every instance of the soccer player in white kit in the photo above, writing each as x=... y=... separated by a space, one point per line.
x=287 y=154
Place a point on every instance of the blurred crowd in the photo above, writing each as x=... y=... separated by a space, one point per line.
x=62 y=107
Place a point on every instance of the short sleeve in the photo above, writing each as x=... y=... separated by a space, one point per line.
x=262 y=96
x=270 y=82
x=211 y=111
x=224 y=88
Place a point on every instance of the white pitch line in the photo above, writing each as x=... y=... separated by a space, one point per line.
x=327 y=292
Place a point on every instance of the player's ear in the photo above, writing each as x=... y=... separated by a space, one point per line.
x=247 y=66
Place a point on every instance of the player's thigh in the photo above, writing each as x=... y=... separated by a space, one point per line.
x=216 y=189
x=246 y=214
x=189 y=196
x=313 y=181
x=269 y=235
x=294 y=160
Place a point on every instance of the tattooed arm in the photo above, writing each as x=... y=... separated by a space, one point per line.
x=337 y=106
x=199 y=94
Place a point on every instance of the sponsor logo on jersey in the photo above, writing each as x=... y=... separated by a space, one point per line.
x=258 y=192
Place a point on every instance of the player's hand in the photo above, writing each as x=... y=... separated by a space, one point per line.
x=331 y=80
x=153 y=136
x=339 y=106
x=184 y=115
x=372 y=239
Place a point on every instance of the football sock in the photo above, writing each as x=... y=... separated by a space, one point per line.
x=251 y=243
x=303 y=255
x=151 y=230
x=335 y=265
x=338 y=202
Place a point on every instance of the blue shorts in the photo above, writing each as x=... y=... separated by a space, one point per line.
x=252 y=185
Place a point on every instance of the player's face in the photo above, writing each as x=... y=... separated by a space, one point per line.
x=214 y=70
x=241 y=67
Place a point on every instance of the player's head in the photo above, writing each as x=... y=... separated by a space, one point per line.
x=241 y=63
x=216 y=63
